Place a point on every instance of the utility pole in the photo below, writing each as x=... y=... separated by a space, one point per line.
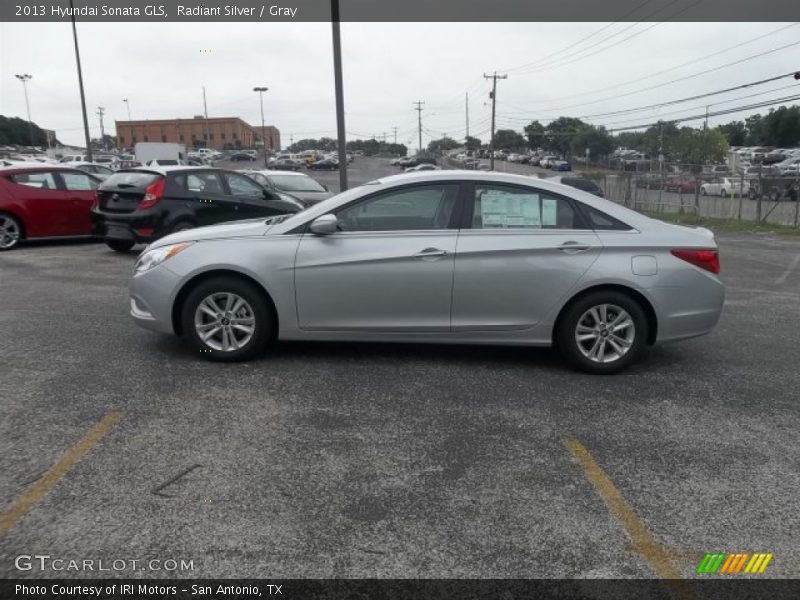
x=80 y=84
x=467 y=99
x=419 y=104
x=338 y=81
x=494 y=77
x=261 y=91
x=383 y=137
x=394 y=130
x=100 y=112
x=25 y=78
x=127 y=106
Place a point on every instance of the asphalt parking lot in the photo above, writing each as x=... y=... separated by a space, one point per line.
x=369 y=460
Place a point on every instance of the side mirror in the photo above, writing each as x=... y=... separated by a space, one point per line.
x=326 y=188
x=325 y=225
x=270 y=195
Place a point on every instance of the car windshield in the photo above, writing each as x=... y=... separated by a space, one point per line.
x=289 y=183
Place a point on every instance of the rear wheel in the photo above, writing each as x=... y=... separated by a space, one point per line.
x=723 y=193
x=702 y=191
x=227 y=319
x=120 y=245
x=10 y=232
x=603 y=332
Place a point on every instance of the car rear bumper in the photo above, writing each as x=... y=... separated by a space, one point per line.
x=141 y=227
x=691 y=311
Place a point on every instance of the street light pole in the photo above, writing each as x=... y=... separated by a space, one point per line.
x=261 y=91
x=24 y=78
x=128 y=106
x=339 y=85
x=80 y=84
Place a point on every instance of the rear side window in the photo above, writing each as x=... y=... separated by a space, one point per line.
x=602 y=222
x=587 y=185
x=507 y=207
x=131 y=179
x=207 y=182
x=42 y=181
x=78 y=182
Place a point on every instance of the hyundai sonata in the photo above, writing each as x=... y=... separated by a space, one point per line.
x=443 y=257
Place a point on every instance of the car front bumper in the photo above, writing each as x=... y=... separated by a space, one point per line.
x=152 y=295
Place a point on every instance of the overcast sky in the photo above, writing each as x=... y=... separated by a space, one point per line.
x=551 y=68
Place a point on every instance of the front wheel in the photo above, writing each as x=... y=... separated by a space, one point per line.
x=602 y=333
x=120 y=245
x=227 y=319
x=723 y=193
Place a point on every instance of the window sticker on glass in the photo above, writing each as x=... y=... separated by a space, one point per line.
x=549 y=208
x=502 y=210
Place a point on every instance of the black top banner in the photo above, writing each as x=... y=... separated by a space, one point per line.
x=400 y=10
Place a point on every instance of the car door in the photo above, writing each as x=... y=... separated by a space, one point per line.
x=253 y=202
x=79 y=195
x=206 y=194
x=520 y=253
x=47 y=211
x=390 y=268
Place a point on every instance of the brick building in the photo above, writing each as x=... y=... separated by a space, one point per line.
x=218 y=133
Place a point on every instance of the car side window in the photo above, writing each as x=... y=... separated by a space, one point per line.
x=507 y=207
x=424 y=207
x=244 y=187
x=78 y=182
x=200 y=183
x=602 y=222
x=42 y=181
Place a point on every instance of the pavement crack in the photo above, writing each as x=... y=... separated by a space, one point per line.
x=157 y=491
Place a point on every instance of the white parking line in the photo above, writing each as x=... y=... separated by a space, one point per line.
x=789 y=269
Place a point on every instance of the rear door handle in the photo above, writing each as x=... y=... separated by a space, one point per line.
x=574 y=247
x=431 y=253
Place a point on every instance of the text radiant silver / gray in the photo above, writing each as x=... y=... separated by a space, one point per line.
x=444 y=257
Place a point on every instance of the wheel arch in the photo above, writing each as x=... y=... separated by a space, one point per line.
x=637 y=296
x=180 y=298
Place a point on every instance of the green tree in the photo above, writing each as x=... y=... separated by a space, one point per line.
x=535 y=133
x=443 y=145
x=630 y=139
x=698 y=147
x=472 y=143
x=735 y=132
x=508 y=139
x=560 y=134
x=596 y=139
x=782 y=126
x=16 y=132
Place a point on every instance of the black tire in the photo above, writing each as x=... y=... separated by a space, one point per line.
x=12 y=232
x=565 y=334
x=702 y=191
x=182 y=226
x=723 y=193
x=120 y=245
x=264 y=326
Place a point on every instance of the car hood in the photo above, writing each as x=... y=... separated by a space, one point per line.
x=233 y=229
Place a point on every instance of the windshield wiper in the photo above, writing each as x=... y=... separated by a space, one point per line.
x=277 y=219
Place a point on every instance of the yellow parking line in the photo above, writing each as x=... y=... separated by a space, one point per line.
x=642 y=540
x=71 y=457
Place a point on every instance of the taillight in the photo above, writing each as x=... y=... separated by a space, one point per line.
x=152 y=194
x=705 y=259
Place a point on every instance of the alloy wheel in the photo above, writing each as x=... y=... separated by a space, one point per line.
x=224 y=321
x=605 y=333
x=9 y=233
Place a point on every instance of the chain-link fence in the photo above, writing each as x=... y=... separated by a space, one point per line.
x=759 y=193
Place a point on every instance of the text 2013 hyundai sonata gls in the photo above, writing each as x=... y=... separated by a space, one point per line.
x=444 y=257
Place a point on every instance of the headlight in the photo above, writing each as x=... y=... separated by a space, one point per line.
x=156 y=256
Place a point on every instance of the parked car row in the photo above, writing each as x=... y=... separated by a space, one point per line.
x=130 y=206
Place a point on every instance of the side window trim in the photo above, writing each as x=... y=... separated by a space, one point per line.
x=469 y=212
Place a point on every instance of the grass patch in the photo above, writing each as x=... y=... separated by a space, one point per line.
x=724 y=224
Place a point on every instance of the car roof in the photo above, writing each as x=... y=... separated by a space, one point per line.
x=268 y=172
x=20 y=167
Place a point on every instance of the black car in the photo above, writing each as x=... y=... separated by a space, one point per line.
x=142 y=205
x=325 y=164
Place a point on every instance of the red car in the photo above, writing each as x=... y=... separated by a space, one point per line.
x=682 y=186
x=44 y=201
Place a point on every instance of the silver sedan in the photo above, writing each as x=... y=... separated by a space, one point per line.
x=442 y=257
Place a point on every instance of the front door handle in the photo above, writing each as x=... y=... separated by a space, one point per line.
x=574 y=247
x=431 y=253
